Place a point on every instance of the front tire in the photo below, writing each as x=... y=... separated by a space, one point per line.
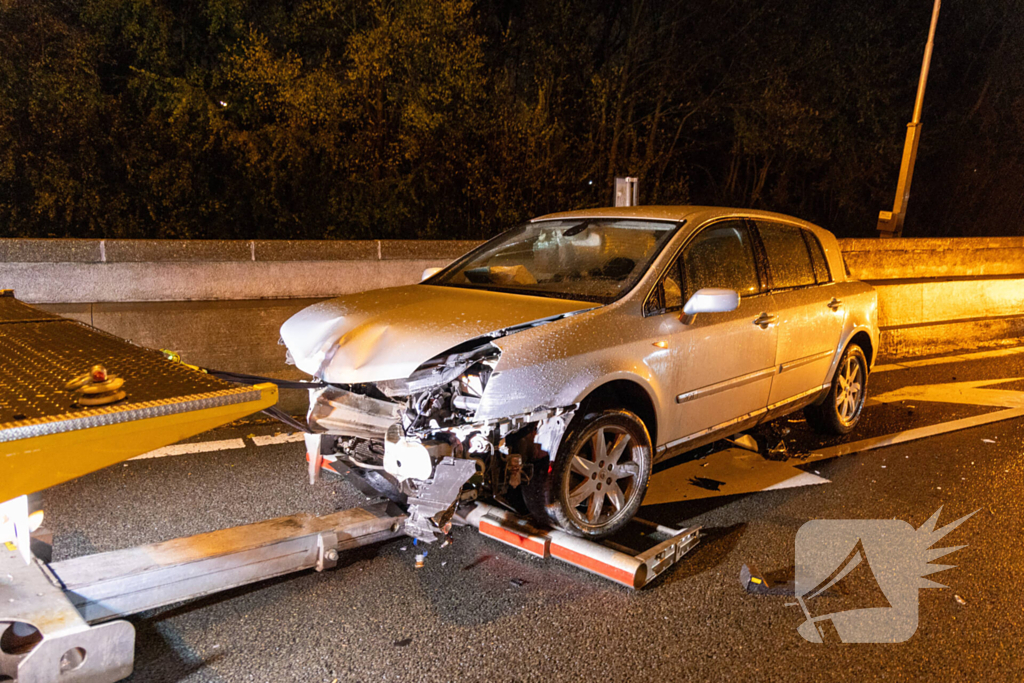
x=840 y=411
x=598 y=477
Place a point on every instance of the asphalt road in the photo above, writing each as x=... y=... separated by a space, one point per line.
x=462 y=617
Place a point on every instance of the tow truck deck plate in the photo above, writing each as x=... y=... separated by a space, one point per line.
x=46 y=439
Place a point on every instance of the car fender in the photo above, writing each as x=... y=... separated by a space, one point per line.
x=861 y=303
x=561 y=363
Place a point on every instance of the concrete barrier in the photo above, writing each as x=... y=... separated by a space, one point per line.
x=939 y=295
x=221 y=303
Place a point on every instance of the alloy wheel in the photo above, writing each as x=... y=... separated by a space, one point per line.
x=850 y=392
x=603 y=476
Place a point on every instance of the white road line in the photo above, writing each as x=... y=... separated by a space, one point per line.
x=277 y=439
x=914 y=434
x=189 y=448
x=977 y=355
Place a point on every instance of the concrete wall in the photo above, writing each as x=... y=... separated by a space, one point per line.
x=221 y=303
x=938 y=295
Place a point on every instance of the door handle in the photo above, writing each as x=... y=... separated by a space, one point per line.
x=764 y=320
x=834 y=304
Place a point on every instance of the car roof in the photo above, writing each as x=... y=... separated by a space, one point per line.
x=694 y=214
x=697 y=216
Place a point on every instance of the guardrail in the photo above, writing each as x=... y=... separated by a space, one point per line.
x=220 y=303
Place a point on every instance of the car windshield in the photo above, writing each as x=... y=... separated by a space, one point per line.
x=594 y=259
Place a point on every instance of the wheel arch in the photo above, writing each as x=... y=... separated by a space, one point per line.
x=862 y=339
x=624 y=393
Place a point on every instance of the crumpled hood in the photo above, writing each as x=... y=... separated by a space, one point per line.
x=387 y=333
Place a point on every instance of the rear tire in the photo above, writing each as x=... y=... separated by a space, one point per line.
x=598 y=478
x=841 y=409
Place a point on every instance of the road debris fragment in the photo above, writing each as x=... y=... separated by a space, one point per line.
x=745 y=441
x=752 y=580
x=778 y=452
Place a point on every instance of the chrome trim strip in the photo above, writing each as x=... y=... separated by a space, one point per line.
x=805 y=360
x=703 y=432
x=723 y=425
x=726 y=385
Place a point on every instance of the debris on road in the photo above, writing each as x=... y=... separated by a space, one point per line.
x=752 y=580
x=779 y=452
x=745 y=441
x=960 y=600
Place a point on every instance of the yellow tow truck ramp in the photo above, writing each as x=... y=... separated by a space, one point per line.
x=47 y=434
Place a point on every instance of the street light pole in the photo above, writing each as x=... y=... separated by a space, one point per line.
x=890 y=223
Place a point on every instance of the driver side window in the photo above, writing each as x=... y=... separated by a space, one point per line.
x=722 y=257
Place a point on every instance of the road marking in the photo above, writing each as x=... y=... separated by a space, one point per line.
x=914 y=434
x=963 y=393
x=190 y=448
x=728 y=472
x=278 y=439
x=971 y=393
x=977 y=355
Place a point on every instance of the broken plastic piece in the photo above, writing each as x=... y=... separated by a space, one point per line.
x=779 y=452
x=752 y=580
x=746 y=441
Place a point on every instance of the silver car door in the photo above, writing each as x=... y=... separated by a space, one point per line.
x=721 y=363
x=811 y=315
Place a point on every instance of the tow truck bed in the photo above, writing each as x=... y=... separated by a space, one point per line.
x=45 y=439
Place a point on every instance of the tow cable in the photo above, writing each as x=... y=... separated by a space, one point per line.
x=242 y=378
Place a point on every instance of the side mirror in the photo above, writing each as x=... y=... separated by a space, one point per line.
x=710 y=300
x=429 y=273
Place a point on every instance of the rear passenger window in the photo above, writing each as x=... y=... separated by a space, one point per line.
x=788 y=255
x=821 y=273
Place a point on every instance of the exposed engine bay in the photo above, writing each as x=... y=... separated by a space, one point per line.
x=417 y=442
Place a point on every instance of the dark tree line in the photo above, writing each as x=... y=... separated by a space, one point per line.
x=455 y=119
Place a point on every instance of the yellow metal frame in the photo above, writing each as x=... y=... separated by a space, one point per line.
x=35 y=463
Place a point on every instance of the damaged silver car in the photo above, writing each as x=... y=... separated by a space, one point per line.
x=553 y=366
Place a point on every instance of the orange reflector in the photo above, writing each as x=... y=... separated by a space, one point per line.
x=661 y=344
x=535 y=545
x=594 y=565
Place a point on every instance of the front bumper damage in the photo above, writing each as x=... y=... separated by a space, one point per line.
x=429 y=465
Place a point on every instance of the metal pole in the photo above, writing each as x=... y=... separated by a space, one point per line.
x=890 y=224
